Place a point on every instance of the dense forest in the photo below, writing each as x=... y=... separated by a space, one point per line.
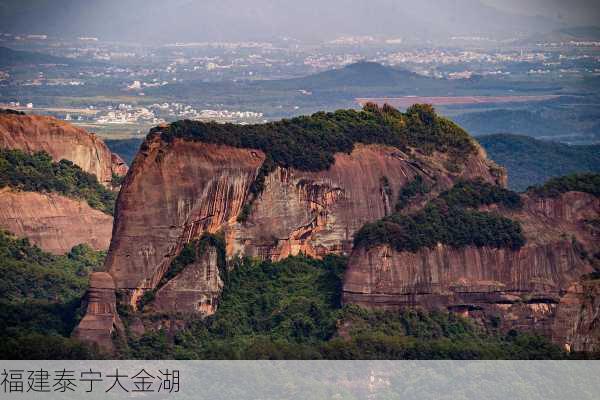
x=38 y=173
x=586 y=182
x=41 y=298
x=292 y=310
x=451 y=219
x=275 y=310
x=310 y=142
x=268 y=310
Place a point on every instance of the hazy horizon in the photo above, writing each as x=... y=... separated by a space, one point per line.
x=153 y=21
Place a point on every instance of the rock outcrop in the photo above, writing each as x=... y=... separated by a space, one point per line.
x=32 y=133
x=53 y=222
x=195 y=290
x=577 y=323
x=521 y=287
x=180 y=188
x=176 y=191
x=173 y=194
x=101 y=321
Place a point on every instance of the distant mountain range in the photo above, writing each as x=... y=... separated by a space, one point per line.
x=362 y=79
x=125 y=148
x=531 y=162
x=524 y=122
x=572 y=123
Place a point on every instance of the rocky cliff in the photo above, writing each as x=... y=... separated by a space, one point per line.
x=176 y=191
x=101 y=321
x=270 y=192
x=53 y=222
x=577 y=322
x=196 y=289
x=30 y=204
x=33 y=133
x=523 y=288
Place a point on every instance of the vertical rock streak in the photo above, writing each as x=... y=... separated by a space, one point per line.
x=177 y=191
x=526 y=287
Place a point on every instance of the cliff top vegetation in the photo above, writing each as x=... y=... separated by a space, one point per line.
x=39 y=173
x=584 y=182
x=310 y=142
x=452 y=218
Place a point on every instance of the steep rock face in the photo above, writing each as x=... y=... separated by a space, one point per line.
x=318 y=212
x=177 y=191
x=577 y=323
x=118 y=166
x=53 y=222
x=174 y=193
x=61 y=140
x=522 y=287
x=195 y=290
x=101 y=319
x=548 y=219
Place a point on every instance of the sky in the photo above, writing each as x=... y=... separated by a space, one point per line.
x=572 y=12
x=164 y=21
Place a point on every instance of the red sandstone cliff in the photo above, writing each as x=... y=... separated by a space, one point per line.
x=101 y=319
x=524 y=287
x=53 y=222
x=197 y=288
x=61 y=140
x=177 y=191
x=577 y=322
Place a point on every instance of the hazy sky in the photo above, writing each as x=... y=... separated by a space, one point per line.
x=586 y=12
x=156 y=21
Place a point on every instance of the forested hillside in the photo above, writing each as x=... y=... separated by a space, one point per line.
x=531 y=162
x=41 y=298
x=38 y=173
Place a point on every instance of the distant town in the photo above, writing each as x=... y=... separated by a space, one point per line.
x=123 y=88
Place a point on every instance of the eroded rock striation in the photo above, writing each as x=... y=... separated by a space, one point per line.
x=524 y=288
x=33 y=133
x=191 y=179
x=195 y=290
x=178 y=190
x=577 y=322
x=101 y=321
x=53 y=222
